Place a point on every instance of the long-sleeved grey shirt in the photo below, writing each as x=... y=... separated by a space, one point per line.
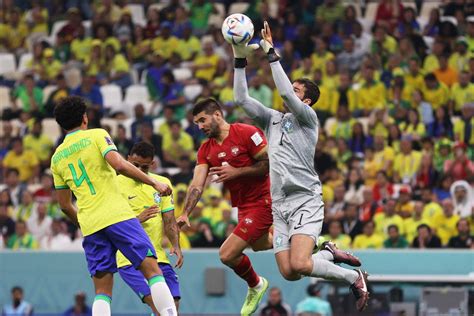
x=291 y=136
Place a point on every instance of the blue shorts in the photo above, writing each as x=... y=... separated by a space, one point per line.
x=139 y=285
x=127 y=236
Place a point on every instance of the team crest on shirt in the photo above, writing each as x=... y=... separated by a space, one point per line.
x=287 y=126
x=157 y=197
x=278 y=241
x=248 y=221
x=109 y=141
x=234 y=150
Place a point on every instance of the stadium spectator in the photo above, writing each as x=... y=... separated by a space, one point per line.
x=359 y=140
x=460 y=166
x=7 y=224
x=351 y=224
x=90 y=91
x=22 y=239
x=388 y=217
x=369 y=239
x=411 y=223
x=383 y=188
x=462 y=197
x=17 y=32
x=140 y=118
x=335 y=235
x=58 y=239
x=275 y=304
x=18 y=306
x=189 y=45
x=350 y=58
x=464 y=128
x=200 y=13
x=445 y=74
x=406 y=163
x=117 y=67
x=25 y=161
x=215 y=207
x=122 y=142
x=39 y=224
x=205 y=64
x=368 y=207
x=260 y=91
x=177 y=144
x=185 y=174
x=156 y=140
x=15 y=188
x=464 y=239
x=80 y=307
x=27 y=98
x=60 y=92
x=171 y=95
x=108 y=12
x=204 y=236
x=404 y=206
x=313 y=304
x=441 y=126
x=436 y=93
x=39 y=143
x=25 y=209
x=426 y=238
x=395 y=240
x=154 y=75
x=222 y=228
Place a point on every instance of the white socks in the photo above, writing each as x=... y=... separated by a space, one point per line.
x=161 y=296
x=324 y=254
x=101 y=306
x=259 y=284
x=328 y=270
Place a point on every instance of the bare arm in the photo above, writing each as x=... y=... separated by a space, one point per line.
x=172 y=232
x=124 y=167
x=65 y=203
x=254 y=109
x=194 y=193
x=258 y=169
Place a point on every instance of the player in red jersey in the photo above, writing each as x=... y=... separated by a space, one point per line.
x=235 y=154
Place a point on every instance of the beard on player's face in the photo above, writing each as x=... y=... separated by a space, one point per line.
x=214 y=129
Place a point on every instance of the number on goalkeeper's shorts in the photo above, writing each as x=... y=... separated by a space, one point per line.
x=84 y=177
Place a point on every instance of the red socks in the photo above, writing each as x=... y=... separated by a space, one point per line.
x=245 y=271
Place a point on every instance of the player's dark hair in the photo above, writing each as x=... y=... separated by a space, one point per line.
x=311 y=90
x=143 y=149
x=69 y=112
x=207 y=106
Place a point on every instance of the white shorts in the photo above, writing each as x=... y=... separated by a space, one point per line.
x=296 y=214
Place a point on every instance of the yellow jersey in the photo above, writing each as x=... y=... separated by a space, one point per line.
x=374 y=241
x=24 y=163
x=446 y=227
x=382 y=222
x=79 y=164
x=461 y=95
x=140 y=197
x=411 y=227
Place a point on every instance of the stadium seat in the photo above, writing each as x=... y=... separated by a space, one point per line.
x=88 y=27
x=113 y=123
x=112 y=96
x=181 y=74
x=24 y=60
x=191 y=92
x=47 y=92
x=409 y=4
x=371 y=11
x=51 y=128
x=215 y=20
x=136 y=94
x=238 y=7
x=138 y=14
x=157 y=6
x=134 y=74
x=57 y=26
x=5 y=101
x=220 y=8
x=7 y=63
x=143 y=76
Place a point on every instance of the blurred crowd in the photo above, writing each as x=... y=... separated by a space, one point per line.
x=395 y=151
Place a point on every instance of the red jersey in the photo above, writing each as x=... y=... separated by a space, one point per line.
x=243 y=142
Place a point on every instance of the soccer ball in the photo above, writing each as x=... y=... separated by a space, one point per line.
x=237 y=29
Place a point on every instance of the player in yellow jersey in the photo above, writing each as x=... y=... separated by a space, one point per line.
x=156 y=214
x=86 y=164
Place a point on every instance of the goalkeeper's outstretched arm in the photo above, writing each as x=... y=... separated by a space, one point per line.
x=251 y=106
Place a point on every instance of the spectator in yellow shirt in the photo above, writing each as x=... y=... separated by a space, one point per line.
x=108 y=12
x=406 y=163
x=165 y=44
x=411 y=223
x=39 y=143
x=25 y=161
x=459 y=59
x=464 y=127
x=384 y=155
x=462 y=92
x=335 y=235
x=387 y=218
x=431 y=62
x=189 y=46
x=22 y=239
x=177 y=144
x=81 y=46
x=16 y=32
x=304 y=71
x=117 y=67
x=369 y=239
x=405 y=205
x=215 y=207
x=436 y=93
x=321 y=55
x=445 y=224
x=414 y=77
x=431 y=208
x=445 y=73
x=37 y=18
x=205 y=65
x=52 y=67
x=413 y=127
x=372 y=94
x=342 y=128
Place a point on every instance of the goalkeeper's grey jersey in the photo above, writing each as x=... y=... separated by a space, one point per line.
x=292 y=136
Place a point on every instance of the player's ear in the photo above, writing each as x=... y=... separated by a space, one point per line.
x=307 y=101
